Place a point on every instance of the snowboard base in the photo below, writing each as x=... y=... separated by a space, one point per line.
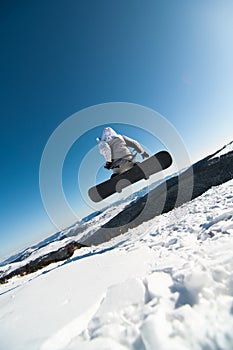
x=158 y=162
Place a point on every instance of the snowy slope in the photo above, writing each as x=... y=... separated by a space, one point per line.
x=167 y=284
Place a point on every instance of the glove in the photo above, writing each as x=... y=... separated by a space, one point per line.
x=144 y=155
x=108 y=165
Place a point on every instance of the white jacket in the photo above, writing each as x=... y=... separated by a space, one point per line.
x=114 y=146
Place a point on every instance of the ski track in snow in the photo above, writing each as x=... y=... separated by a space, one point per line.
x=167 y=284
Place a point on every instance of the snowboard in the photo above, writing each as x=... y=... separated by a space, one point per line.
x=152 y=165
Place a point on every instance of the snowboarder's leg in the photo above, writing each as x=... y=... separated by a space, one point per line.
x=122 y=165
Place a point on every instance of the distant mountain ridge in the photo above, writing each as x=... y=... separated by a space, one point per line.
x=71 y=231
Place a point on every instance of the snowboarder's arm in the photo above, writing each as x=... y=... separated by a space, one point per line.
x=134 y=144
x=105 y=150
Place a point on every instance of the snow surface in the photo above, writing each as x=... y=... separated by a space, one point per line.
x=166 y=284
x=226 y=149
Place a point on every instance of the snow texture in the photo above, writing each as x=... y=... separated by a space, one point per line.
x=226 y=149
x=166 y=284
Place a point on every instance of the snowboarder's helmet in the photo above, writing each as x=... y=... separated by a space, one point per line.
x=108 y=134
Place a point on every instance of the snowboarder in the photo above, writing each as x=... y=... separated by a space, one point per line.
x=115 y=149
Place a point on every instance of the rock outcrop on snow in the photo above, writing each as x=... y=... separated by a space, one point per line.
x=59 y=255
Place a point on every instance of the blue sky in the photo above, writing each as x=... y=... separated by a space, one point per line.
x=58 y=57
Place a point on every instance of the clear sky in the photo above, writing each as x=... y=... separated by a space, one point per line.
x=58 y=57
